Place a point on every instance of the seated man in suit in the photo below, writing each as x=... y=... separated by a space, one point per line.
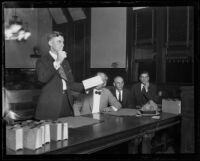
x=99 y=99
x=122 y=94
x=144 y=91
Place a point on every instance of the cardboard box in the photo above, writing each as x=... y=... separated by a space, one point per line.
x=56 y=131
x=14 y=137
x=171 y=106
x=32 y=137
x=64 y=130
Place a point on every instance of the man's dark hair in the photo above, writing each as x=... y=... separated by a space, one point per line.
x=54 y=34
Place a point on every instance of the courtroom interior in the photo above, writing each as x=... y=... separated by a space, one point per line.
x=121 y=46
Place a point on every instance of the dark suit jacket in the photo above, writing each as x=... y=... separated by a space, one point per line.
x=126 y=97
x=106 y=100
x=139 y=98
x=50 y=101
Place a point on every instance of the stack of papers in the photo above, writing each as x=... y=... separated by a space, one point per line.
x=124 y=112
x=79 y=121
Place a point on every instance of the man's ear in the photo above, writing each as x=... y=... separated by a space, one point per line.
x=50 y=43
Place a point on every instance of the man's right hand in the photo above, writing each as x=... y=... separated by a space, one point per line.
x=61 y=55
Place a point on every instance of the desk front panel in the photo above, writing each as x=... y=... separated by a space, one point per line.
x=111 y=131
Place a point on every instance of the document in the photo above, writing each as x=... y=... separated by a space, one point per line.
x=92 y=82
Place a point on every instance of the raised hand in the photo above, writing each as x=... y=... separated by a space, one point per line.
x=61 y=55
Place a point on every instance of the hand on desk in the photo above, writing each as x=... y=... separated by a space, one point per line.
x=109 y=109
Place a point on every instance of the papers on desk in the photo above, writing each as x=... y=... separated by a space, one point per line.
x=92 y=82
x=78 y=121
x=124 y=112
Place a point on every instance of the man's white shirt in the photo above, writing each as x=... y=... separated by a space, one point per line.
x=56 y=66
x=96 y=101
x=117 y=94
x=144 y=87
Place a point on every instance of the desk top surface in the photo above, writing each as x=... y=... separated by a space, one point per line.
x=111 y=130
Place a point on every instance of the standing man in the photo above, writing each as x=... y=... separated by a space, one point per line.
x=55 y=72
x=99 y=99
x=122 y=94
x=144 y=91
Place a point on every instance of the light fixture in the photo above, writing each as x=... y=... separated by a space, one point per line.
x=16 y=30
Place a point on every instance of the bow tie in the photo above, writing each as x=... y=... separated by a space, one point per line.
x=98 y=92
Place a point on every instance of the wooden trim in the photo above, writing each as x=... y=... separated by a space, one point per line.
x=67 y=14
x=88 y=42
x=20 y=96
x=129 y=43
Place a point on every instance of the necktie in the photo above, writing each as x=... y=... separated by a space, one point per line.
x=143 y=90
x=62 y=73
x=98 y=92
x=120 y=96
x=144 y=97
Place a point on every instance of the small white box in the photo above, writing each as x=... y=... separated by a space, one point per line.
x=64 y=130
x=32 y=137
x=56 y=131
x=14 y=137
x=42 y=132
x=47 y=137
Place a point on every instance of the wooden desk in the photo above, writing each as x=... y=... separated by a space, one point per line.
x=112 y=131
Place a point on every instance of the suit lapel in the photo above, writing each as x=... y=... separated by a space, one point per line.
x=114 y=93
x=139 y=92
x=91 y=100
x=123 y=95
x=101 y=99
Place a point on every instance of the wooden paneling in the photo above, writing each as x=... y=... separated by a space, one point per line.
x=111 y=73
x=22 y=102
x=187 y=125
x=20 y=96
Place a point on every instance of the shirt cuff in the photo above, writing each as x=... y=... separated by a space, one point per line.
x=56 y=65
x=114 y=108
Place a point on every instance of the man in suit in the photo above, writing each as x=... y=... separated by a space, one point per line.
x=122 y=94
x=99 y=99
x=55 y=72
x=144 y=91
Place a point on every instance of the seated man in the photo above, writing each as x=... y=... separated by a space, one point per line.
x=144 y=91
x=122 y=94
x=99 y=99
